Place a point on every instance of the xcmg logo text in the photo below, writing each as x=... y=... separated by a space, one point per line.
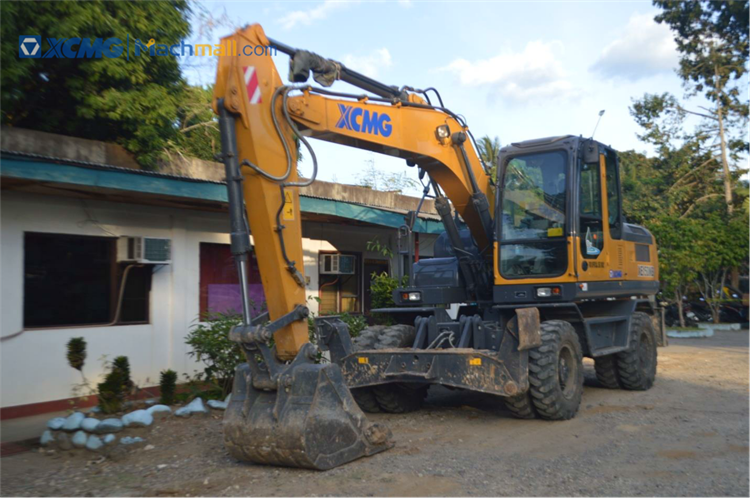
x=30 y=47
x=364 y=120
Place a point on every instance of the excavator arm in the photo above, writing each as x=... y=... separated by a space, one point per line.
x=399 y=124
x=260 y=120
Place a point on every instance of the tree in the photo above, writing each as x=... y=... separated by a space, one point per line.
x=198 y=129
x=132 y=102
x=678 y=260
x=375 y=179
x=489 y=153
x=678 y=195
x=712 y=38
x=685 y=174
x=720 y=247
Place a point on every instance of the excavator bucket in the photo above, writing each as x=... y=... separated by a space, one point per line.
x=311 y=421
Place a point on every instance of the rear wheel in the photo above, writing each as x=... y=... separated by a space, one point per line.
x=637 y=366
x=556 y=372
x=521 y=406
x=606 y=371
x=393 y=398
x=399 y=398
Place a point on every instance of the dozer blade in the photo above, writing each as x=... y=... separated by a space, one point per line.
x=310 y=421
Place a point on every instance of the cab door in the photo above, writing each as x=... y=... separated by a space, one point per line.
x=599 y=254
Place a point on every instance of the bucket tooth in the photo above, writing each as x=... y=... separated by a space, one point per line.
x=310 y=421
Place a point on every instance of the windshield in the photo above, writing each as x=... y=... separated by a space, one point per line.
x=534 y=197
x=532 y=238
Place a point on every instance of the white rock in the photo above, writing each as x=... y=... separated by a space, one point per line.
x=159 y=411
x=109 y=425
x=195 y=406
x=138 y=418
x=79 y=439
x=151 y=402
x=228 y=398
x=47 y=438
x=94 y=443
x=217 y=405
x=162 y=466
x=109 y=438
x=131 y=440
x=96 y=409
x=56 y=423
x=149 y=447
x=73 y=422
x=89 y=424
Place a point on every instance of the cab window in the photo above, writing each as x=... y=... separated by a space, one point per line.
x=590 y=210
x=532 y=236
x=613 y=195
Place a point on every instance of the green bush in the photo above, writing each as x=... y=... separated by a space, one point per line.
x=381 y=290
x=76 y=353
x=356 y=323
x=111 y=392
x=210 y=344
x=122 y=364
x=168 y=386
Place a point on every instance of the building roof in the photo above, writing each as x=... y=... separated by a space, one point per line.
x=46 y=163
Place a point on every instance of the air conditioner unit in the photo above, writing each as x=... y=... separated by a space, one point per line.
x=338 y=264
x=144 y=250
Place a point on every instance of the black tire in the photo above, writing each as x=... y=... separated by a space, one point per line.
x=636 y=367
x=393 y=398
x=398 y=398
x=556 y=372
x=366 y=400
x=521 y=406
x=606 y=371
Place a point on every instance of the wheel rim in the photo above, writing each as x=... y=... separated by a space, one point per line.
x=645 y=352
x=567 y=371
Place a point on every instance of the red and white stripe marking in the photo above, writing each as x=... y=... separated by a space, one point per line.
x=251 y=82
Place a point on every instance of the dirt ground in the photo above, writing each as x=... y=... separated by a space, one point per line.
x=688 y=436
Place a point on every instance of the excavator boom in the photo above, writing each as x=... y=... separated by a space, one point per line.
x=301 y=413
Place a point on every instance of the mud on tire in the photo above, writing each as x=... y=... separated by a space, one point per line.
x=393 y=398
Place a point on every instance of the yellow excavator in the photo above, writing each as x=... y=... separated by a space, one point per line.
x=540 y=262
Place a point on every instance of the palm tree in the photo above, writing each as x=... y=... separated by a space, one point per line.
x=489 y=152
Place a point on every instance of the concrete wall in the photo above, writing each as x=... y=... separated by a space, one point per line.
x=34 y=368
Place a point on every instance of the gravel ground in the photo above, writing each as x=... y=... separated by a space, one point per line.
x=688 y=436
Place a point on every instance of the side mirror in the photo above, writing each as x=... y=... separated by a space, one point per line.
x=591 y=152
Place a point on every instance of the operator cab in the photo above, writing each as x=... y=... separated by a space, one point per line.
x=559 y=231
x=550 y=190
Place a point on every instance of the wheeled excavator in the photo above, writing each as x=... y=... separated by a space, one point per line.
x=536 y=257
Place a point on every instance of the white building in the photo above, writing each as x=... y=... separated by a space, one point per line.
x=65 y=204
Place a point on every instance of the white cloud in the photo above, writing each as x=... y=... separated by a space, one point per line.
x=318 y=13
x=369 y=64
x=646 y=48
x=534 y=73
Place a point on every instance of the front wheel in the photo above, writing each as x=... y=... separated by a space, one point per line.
x=555 y=376
x=556 y=372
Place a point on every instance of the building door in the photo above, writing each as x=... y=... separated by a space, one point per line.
x=372 y=267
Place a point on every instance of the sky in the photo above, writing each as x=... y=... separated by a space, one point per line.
x=515 y=70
